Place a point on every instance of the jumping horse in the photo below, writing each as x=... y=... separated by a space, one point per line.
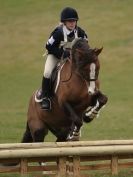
x=76 y=97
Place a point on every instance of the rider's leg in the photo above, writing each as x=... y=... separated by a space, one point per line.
x=50 y=64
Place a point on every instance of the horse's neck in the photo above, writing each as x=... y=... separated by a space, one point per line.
x=69 y=75
x=72 y=87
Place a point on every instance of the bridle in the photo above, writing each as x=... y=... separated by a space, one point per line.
x=78 y=73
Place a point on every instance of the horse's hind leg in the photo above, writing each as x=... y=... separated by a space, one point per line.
x=34 y=133
x=39 y=134
x=38 y=130
x=27 y=137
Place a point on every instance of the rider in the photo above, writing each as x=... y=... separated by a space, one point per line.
x=59 y=40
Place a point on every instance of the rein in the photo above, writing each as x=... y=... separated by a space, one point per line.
x=70 y=73
x=84 y=62
x=77 y=74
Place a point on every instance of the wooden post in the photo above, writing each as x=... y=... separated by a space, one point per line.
x=114 y=165
x=76 y=166
x=70 y=166
x=62 y=172
x=23 y=166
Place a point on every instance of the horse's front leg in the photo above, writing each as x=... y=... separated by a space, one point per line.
x=74 y=132
x=98 y=101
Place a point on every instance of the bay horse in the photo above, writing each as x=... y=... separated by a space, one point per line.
x=76 y=97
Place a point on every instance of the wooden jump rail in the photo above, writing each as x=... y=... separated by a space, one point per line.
x=74 y=158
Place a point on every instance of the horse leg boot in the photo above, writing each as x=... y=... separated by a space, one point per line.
x=74 y=132
x=46 y=102
x=38 y=137
x=98 y=102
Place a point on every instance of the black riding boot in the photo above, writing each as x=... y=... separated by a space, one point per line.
x=46 y=102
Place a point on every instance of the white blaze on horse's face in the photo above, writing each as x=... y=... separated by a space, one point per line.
x=92 y=85
x=92 y=70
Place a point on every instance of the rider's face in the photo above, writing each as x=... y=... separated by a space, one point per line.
x=71 y=24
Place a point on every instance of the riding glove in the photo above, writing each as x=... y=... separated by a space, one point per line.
x=66 y=54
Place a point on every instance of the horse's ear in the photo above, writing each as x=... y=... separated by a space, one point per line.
x=98 y=51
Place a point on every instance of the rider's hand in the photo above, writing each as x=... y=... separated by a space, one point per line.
x=66 y=54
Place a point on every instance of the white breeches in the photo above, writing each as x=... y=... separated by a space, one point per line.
x=50 y=63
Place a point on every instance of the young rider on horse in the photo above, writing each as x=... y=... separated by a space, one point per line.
x=57 y=45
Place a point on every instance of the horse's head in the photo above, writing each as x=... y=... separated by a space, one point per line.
x=85 y=59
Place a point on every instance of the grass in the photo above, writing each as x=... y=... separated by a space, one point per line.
x=24 y=29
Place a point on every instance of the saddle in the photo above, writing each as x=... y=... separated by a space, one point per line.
x=54 y=82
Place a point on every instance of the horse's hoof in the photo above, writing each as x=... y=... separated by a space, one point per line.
x=73 y=138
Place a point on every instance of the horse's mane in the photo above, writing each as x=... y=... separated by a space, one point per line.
x=82 y=54
x=79 y=43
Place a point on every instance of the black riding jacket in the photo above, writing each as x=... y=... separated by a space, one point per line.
x=60 y=35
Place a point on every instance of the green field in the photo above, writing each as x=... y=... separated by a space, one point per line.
x=24 y=29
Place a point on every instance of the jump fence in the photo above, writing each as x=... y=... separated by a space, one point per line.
x=67 y=159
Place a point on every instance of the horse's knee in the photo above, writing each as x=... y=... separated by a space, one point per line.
x=100 y=97
x=104 y=99
x=93 y=111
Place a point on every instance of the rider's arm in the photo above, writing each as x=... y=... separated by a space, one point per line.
x=53 y=44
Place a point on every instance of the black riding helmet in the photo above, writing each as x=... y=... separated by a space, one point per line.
x=68 y=13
